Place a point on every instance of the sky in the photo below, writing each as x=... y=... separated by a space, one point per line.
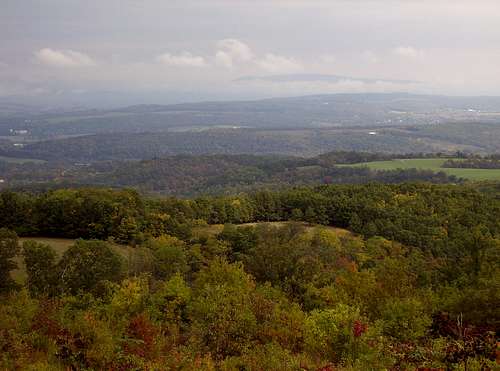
x=98 y=52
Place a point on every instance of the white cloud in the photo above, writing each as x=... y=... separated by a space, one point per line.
x=408 y=52
x=182 y=60
x=64 y=58
x=278 y=64
x=231 y=51
x=223 y=59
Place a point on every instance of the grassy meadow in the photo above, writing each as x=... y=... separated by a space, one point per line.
x=434 y=164
x=16 y=160
x=60 y=245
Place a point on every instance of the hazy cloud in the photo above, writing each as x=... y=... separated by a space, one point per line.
x=328 y=59
x=408 y=52
x=63 y=58
x=370 y=56
x=223 y=40
x=278 y=64
x=343 y=85
x=184 y=59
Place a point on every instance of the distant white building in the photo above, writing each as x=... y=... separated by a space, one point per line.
x=19 y=132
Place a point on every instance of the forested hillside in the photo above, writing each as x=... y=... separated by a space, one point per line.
x=448 y=137
x=217 y=174
x=411 y=284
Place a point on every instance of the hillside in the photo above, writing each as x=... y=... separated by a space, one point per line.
x=188 y=175
x=448 y=138
x=383 y=271
x=318 y=111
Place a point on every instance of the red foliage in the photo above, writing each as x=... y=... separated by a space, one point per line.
x=70 y=346
x=328 y=179
x=466 y=340
x=329 y=367
x=44 y=322
x=359 y=328
x=346 y=264
x=140 y=328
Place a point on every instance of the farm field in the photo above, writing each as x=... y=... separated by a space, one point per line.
x=435 y=165
x=15 y=160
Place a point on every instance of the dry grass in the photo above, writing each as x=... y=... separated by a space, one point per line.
x=60 y=245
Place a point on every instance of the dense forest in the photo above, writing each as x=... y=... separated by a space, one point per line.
x=301 y=141
x=350 y=277
x=185 y=175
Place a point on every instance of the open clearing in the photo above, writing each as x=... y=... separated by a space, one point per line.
x=432 y=164
x=60 y=245
x=214 y=229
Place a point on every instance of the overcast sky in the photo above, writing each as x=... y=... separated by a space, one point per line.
x=199 y=49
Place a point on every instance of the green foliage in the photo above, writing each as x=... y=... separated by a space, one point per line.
x=40 y=261
x=415 y=287
x=221 y=309
x=130 y=297
x=270 y=356
x=405 y=319
x=8 y=250
x=171 y=300
x=280 y=320
x=338 y=334
x=127 y=230
x=87 y=264
x=241 y=239
x=169 y=256
x=286 y=258
x=140 y=261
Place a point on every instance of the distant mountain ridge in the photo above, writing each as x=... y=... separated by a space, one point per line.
x=304 y=77
x=306 y=125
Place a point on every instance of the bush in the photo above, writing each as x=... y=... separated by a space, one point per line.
x=87 y=264
x=405 y=319
x=335 y=334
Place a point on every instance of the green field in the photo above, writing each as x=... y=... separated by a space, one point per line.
x=15 y=160
x=435 y=165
